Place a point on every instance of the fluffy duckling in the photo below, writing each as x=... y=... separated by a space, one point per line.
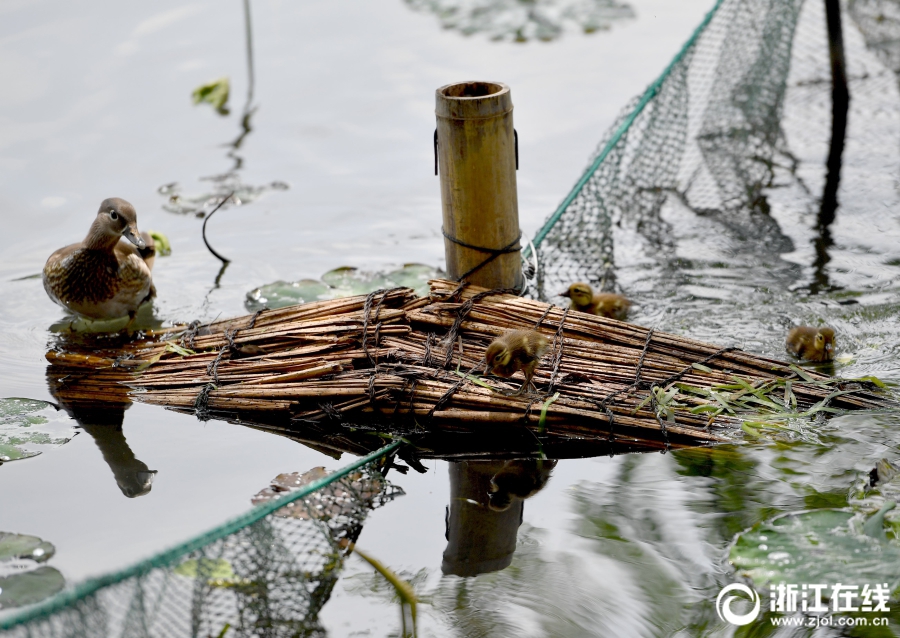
x=520 y=478
x=811 y=344
x=107 y=275
x=514 y=351
x=604 y=304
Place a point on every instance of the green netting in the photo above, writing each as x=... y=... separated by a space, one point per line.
x=706 y=134
x=266 y=573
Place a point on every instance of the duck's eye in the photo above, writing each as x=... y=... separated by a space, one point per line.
x=819 y=337
x=113 y=215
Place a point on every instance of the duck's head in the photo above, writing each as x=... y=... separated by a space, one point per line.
x=580 y=293
x=497 y=356
x=118 y=218
x=824 y=343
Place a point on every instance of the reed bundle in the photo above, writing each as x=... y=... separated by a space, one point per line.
x=391 y=360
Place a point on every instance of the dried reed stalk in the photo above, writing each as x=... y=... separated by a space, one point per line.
x=389 y=360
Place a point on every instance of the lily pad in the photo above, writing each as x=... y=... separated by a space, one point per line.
x=287 y=293
x=347 y=281
x=30 y=587
x=29 y=427
x=22 y=546
x=819 y=546
x=340 y=282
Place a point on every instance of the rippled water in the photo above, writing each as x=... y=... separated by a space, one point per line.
x=98 y=104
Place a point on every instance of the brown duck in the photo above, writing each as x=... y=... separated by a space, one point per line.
x=811 y=344
x=107 y=275
x=514 y=351
x=604 y=304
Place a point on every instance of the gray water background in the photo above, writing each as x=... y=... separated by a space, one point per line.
x=96 y=104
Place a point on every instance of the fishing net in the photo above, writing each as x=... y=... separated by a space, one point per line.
x=731 y=138
x=267 y=573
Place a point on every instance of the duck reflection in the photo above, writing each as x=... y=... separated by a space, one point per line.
x=100 y=411
x=485 y=512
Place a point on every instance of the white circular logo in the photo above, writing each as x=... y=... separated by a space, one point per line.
x=723 y=607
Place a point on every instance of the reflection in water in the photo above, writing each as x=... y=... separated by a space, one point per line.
x=522 y=20
x=486 y=506
x=230 y=181
x=99 y=408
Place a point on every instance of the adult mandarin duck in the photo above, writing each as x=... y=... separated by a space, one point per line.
x=107 y=275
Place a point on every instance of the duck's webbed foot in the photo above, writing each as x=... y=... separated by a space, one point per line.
x=131 y=317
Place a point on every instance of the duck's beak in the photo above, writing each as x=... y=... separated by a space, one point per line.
x=564 y=294
x=131 y=234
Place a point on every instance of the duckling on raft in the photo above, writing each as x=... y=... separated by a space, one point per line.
x=811 y=344
x=604 y=304
x=107 y=275
x=514 y=351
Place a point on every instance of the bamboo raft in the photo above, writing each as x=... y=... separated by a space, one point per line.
x=392 y=362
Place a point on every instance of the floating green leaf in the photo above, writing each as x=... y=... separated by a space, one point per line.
x=30 y=587
x=819 y=546
x=19 y=583
x=286 y=293
x=215 y=93
x=29 y=427
x=163 y=247
x=340 y=282
x=22 y=546
x=207 y=568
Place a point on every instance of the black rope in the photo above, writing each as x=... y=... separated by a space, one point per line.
x=429 y=344
x=225 y=261
x=231 y=347
x=678 y=376
x=493 y=253
x=331 y=412
x=201 y=403
x=370 y=390
x=187 y=337
x=212 y=369
x=450 y=392
x=637 y=373
x=557 y=357
x=457 y=292
x=462 y=313
x=537 y=326
x=367 y=310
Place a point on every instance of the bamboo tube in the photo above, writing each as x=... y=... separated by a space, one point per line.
x=476 y=158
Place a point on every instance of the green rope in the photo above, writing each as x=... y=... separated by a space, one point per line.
x=648 y=95
x=170 y=556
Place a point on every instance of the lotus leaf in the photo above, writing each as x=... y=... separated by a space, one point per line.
x=30 y=587
x=29 y=427
x=818 y=546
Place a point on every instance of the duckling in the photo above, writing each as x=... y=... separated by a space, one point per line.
x=604 y=304
x=514 y=351
x=104 y=277
x=518 y=478
x=811 y=344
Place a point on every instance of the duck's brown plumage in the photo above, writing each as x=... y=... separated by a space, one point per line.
x=810 y=343
x=604 y=304
x=516 y=350
x=107 y=275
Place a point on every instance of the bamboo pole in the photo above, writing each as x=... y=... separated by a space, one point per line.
x=476 y=157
